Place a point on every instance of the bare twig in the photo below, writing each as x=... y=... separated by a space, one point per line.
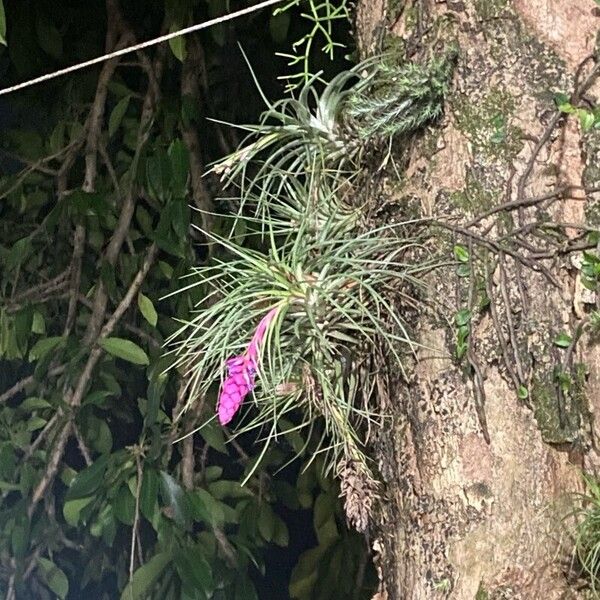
x=192 y=68
x=478 y=386
x=23 y=383
x=82 y=447
x=114 y=246
x=136 y=514
x=509 y=321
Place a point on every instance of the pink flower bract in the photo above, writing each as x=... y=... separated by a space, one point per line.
x=241 y=372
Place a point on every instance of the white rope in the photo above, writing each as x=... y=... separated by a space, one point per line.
x=128 y=50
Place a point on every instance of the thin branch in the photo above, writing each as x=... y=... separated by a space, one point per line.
x=23 y=383
x=192 y=68
x=82 y=447
x=136 y=514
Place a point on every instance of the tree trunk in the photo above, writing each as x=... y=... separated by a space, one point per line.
x=479 y=477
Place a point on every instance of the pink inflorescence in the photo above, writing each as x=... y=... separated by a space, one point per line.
x=241 y=373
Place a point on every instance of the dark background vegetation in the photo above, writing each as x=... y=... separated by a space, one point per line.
x=97 y=500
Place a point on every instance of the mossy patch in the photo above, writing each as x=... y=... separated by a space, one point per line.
x=474 y=197
x=487 y=124
x=490 y=9
x=481 y=592
x=560 y=426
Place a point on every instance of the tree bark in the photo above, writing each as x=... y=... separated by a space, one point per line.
x=464 y=517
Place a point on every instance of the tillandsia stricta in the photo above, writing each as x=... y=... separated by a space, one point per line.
x=325 y=296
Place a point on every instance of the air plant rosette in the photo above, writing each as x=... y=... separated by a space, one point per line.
x=304 y=313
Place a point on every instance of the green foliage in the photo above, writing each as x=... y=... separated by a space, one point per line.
x=588 y=118
x=2 y=24
x=117 y=509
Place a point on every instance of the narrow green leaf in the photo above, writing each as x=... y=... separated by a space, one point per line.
x=117 y=114
x=2 y=24
x=147 y=309
x=125 y=349
x=149 y=493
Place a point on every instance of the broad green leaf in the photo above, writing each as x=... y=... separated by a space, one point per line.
x=229 y=489
x=147 y=309
x=213 y=435
x=6 y=486
x=586 y=118
x=178 y=155
x=42 y=347
x=149 y=493
x=523 y=392
x=180 y=218
x=158 y=175
x=33 y=403
x=125 y=349
x=324 y=519
x=174 y=498
x=2 y=24
x=89 y=480
x=145 y=577
x=462 y=317
x=117 y=114
x=305 y=573
x=88 y=204
x=49 y=37
x=206 y=508
x=177 y=45
x=279 y=25
x=461 y=254
x=54 y=577
x=57 y=138
x=281 y=535
x=99 y=435
x=563 y=340
x=193 y=568
x=38 y=324
x=266 y=522
x=35 y=423
x=124 y=505
x=72 y=509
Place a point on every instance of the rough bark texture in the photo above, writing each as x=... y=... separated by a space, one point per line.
x=465 y=518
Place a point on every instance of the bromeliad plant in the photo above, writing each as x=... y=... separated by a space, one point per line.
x=308 y=314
